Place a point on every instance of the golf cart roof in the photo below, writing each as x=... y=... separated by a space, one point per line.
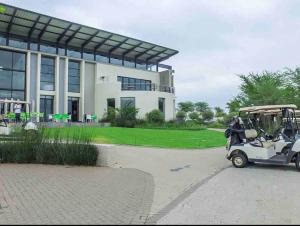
x=267 y=108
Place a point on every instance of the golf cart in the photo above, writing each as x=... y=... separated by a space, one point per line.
x=250 y=143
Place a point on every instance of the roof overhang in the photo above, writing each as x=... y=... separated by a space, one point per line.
x=35 y=27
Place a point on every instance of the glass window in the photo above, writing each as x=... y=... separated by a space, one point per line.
x=12 y=75
x=115 y=61
x=2 y=41
x=47 y=49
x=102 y=59
x=88 y=56
x=34 y=46
x=72 y=53
x=5 y=79
x=161 y=105
x=61 y=52
x=18 y=95
x=19 y=61
x=111 y=103
x=6 y=59
x=127 y=102
x=134 y=84
x=47 y=74
x=129 y=63
x=18 y=80
x=17 y=44
x=74 y=77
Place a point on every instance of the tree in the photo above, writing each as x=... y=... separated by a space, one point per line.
x=194 y=116
x=155 y=116
x=201 y=106
x=219 y=112
x=181 y=116
x=186 y=106
x=207 y=115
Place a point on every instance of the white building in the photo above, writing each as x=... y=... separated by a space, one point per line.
x=64 y=67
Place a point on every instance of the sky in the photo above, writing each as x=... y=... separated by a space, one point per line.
x=217 y=39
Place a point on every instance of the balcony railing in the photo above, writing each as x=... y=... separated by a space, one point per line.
x=147 y=87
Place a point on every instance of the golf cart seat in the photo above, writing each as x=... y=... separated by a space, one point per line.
x=252 y=134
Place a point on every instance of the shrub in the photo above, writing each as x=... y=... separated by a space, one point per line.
x=155 y=116
x=26 y=147
x=126 y=117
x=181 y=116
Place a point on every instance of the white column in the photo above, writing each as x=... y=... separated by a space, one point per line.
x=66 y=86
x=38 y=81
x=28 y=60
x=56 y=102
x=82 y=81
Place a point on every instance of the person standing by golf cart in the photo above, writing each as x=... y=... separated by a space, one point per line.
x=18 y=110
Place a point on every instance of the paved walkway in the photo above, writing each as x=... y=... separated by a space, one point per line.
x=175 y=172
x=254 y=195
x=35 y=194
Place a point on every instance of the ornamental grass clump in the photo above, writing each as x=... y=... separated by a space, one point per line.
x=41 y=147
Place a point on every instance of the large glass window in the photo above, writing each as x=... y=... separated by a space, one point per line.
x=12 y=75
x=74 y=77
x=127 y=102
x=48 y=74
x=134 y=84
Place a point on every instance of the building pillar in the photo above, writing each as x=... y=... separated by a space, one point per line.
x=28 y=72
x=82 y=84
x=66 y=85
x=56 y=102
x=38 y=83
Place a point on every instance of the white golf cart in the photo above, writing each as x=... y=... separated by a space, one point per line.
x=251 y=144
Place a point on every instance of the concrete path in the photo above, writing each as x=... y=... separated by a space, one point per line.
x=39 y=194
x=255 y=195
x=175 y=172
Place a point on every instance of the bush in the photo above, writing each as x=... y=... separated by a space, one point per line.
x=181 y=116
x=110 y=115
x=155 y=116
x=126 y=117
x=25 y=147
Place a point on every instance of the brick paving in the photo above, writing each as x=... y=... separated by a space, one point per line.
x=38 y=194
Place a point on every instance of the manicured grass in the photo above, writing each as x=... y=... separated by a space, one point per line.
x=148 y=137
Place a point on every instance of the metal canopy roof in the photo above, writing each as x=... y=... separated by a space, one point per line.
x=34 y=27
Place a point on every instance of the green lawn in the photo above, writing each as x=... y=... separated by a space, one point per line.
x=149 y=137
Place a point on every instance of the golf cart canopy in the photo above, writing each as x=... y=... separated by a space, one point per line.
x=267 y=108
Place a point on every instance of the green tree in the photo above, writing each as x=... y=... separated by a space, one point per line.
x=194 y=116
x=201 y=106
x=219 y=112
x=181 y=116
x=187 y=106
x=207 y=115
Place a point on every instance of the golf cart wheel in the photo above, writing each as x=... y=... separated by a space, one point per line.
x=239 y=160
x=297 y=162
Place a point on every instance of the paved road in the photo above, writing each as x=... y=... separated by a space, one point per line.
x=36 y=194
x=254 y=195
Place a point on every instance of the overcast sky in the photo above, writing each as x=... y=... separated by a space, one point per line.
x=217 y=39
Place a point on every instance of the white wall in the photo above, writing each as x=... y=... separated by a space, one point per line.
x=107 y=86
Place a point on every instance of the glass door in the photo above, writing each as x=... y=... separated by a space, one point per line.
x=46 y=106
x=73 y=108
